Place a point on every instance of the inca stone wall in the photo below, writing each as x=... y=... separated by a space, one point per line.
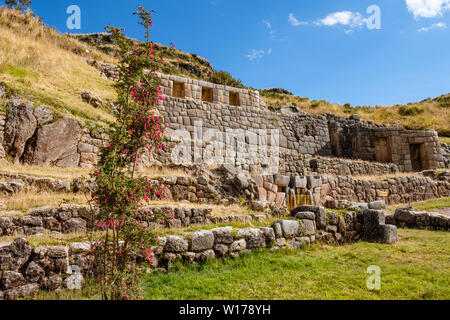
x=393 y=191
x=79 y=219
x=408 y=218
x=355 y=139
x=343 y=167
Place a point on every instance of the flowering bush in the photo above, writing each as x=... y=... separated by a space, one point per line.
x=121 y=193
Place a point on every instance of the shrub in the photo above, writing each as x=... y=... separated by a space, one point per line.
x=120 y=193
x=225 y=78
x=409 y=111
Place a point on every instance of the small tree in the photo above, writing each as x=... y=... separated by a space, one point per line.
x=18 y=4
x=120 y=193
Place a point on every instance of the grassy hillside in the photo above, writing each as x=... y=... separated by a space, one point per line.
x=49 y=68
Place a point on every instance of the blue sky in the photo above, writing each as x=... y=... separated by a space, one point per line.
x=320 y=49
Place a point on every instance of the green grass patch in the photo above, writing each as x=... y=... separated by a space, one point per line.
x=18 y=72
x=428 y=205
x=418 y=267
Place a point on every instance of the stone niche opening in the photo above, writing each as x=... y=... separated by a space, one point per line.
x=207 y=94
x=418 y=157
x=234 y=99
x=178 y=90
x=383 y=150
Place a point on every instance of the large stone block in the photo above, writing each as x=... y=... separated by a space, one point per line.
x=314 y=182
x=308 y=227
x=253 y=237
x=298 y=182
x=202 y=240
x=282 y=181
x=388 y=234
x=290 y=228
x=223 y=235
x=176 y=244
x=405 y=215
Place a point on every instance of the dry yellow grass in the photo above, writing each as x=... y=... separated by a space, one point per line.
x=39 y=171
x=445 y=140
x=389 y=176
x=50 y=239
x=73 y=173
x=25 y=200
x=40 y=62
x=218 y=210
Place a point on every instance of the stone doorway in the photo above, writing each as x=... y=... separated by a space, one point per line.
x=383 y=150
x=416 y=157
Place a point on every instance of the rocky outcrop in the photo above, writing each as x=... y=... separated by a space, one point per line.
x=11 y=188
x=38 y=183
x=89 y=98
x=19 y=128
x=56 y=144
x=25 y=269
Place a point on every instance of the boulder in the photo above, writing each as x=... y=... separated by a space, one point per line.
x=254 y=238
x=19 y=128
x=388 y=234
x=305 y=215
x=34 y=272
x=405 y=215
x=11 y=188
x=56 y=144
x=377 y=205
x=289 y=228
x=74 y=225
x=80 y=247
x=176 y=244
x=57 y=252
x=23 y=291
x=20 y=251
x=205 y=256
x=308 y=227
x=221 y=250
x=238 y=245
x=43 y=115
x=241 y=182
x=89 y=98
x=223 y=235
x=321 y=215
x=202 y=240
x=12 y=279
x=269 y=235
x=372 y=221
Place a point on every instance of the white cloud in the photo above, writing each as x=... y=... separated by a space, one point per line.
x=256 y=55
x=294 y=21
x=427 y=8
x=269 y=28
x=346 y=18
x=439 y=25
x=268 y=25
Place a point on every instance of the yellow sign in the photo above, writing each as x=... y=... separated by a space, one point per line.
x=383 y=194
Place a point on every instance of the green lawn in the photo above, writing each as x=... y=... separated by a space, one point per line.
x=418 y=267
x=428 y=205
